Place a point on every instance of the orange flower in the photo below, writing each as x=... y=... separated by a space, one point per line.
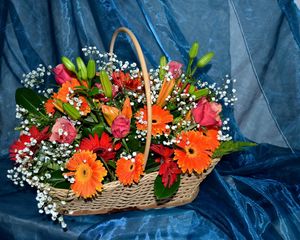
x=165 y=91
x=67 y=91
x=127 y=111
x=196 y=149
x=49 y=106
x=109 y=113
x=129 y=171
x=160 y=118
x=88 y=173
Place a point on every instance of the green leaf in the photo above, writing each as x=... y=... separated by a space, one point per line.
x=57 y=180
x=161 y=192
x=86 y=132
x=30 y=100
x=134 y=144
x=201 y=93
x=95 y=91
x=99 y=129
x=230 y=147
x=153 y=169
x=112 y=164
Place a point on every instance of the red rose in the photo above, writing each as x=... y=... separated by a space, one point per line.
x=207 y=113
x=62 y=74
x=120 y=127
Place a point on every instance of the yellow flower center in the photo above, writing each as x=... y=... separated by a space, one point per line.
x=83 y=172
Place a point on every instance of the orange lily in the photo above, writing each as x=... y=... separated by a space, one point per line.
x=165 y=91
x=109 y=113
x=127 y=111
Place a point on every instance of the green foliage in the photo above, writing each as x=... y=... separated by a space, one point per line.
x=57 y=180
x=82 y=71
x=230 y=147
x=71 y=111
x=91 y=69
x=162 y=192
x=30 y=100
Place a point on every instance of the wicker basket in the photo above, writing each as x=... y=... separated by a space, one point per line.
x=114 y=196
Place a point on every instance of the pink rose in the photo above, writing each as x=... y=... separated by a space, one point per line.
x=62 y=74
x=175 y=69
x=207 y=113
x=63 y=131
x=120 y=126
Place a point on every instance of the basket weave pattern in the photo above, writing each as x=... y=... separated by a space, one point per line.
x=116 y=197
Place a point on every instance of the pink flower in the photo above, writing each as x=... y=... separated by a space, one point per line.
x=63 y=131
x=175 y=69
x=120 y=126
x=62 y=74
x=207 y=113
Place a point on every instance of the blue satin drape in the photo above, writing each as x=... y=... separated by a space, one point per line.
x=250 y=195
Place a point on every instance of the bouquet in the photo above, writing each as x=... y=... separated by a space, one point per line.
x=91 y=128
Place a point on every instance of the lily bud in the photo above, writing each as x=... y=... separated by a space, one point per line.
x=127 y=111
x=162 y=63
x=81 y=68
x=71 y=111
x=194 y=50
x=106 y=84
x=91 y=69
x=68 y=64
x=109 y=113
x=202 y=62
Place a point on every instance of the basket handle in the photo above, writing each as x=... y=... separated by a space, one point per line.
x=146 y=81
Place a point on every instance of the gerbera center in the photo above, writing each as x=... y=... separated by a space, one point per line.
x=191 y=151
x=83 y=172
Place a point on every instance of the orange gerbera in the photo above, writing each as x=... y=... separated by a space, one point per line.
x=129 y=171
x=88 y=173
x=196 y=149
x=160 y=118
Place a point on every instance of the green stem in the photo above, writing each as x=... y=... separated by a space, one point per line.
x=113 y=177
x=125 y=145
x=194 y=70
x=189 y=66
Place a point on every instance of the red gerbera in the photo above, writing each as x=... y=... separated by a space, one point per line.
x=123 y=80
x=168 y=168
x=24 y=142
x=104 y=147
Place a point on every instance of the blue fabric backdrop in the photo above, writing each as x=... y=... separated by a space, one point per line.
x=250 y=195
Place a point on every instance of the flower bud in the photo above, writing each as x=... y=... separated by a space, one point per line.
x=109 y=113
x=68 y=64
x=82 y=72
x=91 y=69
x=202 y=62
x=127 y=111
x=194 y=50
x=106 y=84
x=72 y=112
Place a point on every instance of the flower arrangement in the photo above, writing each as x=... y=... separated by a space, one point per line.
x=91 y=129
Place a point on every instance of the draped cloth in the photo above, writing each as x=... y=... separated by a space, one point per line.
x=250 y=195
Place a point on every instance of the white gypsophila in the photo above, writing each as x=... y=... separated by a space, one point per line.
x=37 y=77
